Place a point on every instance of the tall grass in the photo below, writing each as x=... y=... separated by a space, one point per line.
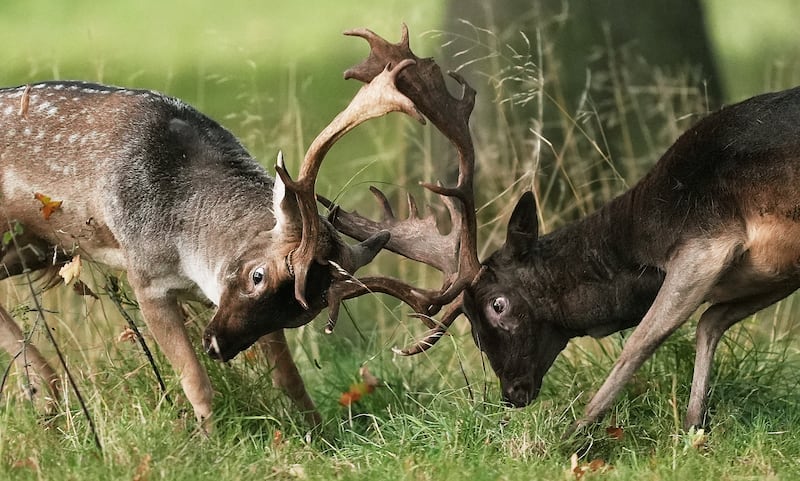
x=436 y=416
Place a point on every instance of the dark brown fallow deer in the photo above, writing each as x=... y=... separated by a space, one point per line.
x=150 y=185
x=714 y=222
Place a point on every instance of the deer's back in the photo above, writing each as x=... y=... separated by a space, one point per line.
x=735 y=173
x=128 y=165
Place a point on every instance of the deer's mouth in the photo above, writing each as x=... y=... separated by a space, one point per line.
x=221 y=349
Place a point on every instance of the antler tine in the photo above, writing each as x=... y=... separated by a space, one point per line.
x=415 y=237
x=342 y=289
x=377 y=98
x=436 y=332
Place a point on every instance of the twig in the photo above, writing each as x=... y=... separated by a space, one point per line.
x=113 y=294
x=63 y=362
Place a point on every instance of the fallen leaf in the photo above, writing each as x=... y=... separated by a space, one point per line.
x=48 y=205
x=699 y=439
x=277 y=438
x=143 y=468
x=370 y=381
x=349 y=397
x=578 y=470
x=71 y=270
x=127 y=335
x=27 y=463
x=615 y=432
x=297 y=471
x=359 y=389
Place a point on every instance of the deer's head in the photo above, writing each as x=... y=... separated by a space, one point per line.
x=510 y=323
x=282 y=278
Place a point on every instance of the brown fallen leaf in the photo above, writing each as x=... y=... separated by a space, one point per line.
x=369 y=379
x=359 y=389
x=143 y=468
x=615 y=432
x=27 y=463
x=578 y=471
x=128 y=335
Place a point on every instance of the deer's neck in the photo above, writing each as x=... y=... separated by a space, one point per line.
x=217 y=229
x=598 y=271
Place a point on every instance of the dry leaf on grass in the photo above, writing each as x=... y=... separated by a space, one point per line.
x=615 y=432
x=578 y=471
x=27 y=463
x=359 y=389
x=143 y=468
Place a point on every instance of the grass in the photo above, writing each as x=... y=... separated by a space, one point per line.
x=436 y=416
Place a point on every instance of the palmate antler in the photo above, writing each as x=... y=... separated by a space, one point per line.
x=378 y=97
x=417 y=238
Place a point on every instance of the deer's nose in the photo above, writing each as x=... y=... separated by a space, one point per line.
x=519 y=394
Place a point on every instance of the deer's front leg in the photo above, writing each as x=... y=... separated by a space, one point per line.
x=286 y=376
x=165 y=320
x=691 y=274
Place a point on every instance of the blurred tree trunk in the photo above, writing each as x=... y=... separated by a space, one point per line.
x=617 y=72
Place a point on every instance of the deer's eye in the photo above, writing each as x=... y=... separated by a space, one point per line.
x=258 y=276
x=499 y=305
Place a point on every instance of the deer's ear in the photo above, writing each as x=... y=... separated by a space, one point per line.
x=523 y=227
x=285 y=207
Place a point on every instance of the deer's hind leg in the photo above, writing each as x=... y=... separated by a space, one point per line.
x=710 y=328
x=286 y=376
x=26 y=253
x=37 y=372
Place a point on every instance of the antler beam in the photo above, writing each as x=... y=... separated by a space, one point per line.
x=417 y=238
x=379 y=97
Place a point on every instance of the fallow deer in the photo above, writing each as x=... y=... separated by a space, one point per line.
x=715 y=221
x=152 y=186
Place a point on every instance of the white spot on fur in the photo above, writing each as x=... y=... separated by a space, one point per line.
x=72 y=138
x=42 y=106
x=8 y=110
x=13 y=184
